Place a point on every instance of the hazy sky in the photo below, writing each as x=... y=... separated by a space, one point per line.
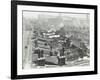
x=33 y=14
x=75 y=19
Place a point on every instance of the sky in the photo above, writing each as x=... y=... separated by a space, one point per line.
x=32 y=14
x=77 y=17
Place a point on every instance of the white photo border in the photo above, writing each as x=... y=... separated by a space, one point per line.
x=21 y=71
